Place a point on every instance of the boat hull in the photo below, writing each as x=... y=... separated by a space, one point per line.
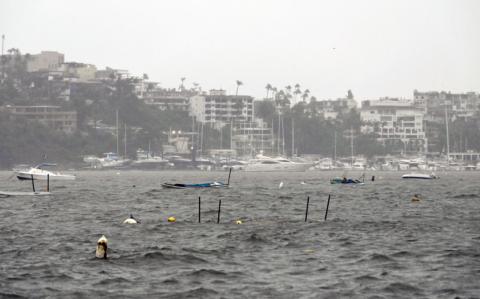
x=293 y=167
x=43 y=177
x=418 y=177
x=194 y=186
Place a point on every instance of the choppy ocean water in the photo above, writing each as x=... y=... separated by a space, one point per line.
x=376 y=243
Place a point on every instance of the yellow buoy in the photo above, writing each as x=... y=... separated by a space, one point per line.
x=171 y=219
x=238 y=222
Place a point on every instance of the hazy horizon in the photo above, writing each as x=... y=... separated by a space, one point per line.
x=375 y=48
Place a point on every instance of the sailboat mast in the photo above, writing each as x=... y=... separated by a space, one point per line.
x=278 y=134
x=118 y=146
x=125 y=144
x=448 y=137
x=334 y=146
x=283 y=136
x=201 y=138
x=293 y=137
x=149 y=152
x=351 y=143
x=231 y=133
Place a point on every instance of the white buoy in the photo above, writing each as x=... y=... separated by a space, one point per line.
x=303 y=183
x=102 y=247
x=280 y=186
x=131 y=220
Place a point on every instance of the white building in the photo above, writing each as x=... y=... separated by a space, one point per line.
x=329 y=109
x=463 y=105
x=219 y=107
x=395 y=122
x=45 y=61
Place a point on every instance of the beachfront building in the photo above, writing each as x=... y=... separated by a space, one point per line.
x=329 y=109
x=111 y=74
x=458 y=105
x=397 y=123
x=45 y=61
x=75 y=71
x=168 y=99
x=220 y=107
x=50 y=116
x=438 y=107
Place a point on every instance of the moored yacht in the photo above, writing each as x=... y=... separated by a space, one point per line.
x=145 y=160
x=264 y=163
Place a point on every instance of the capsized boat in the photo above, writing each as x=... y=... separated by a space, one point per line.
x=38 y=173
x=200 y=185
x=214 y=184
x=420 y=176
x=345 y=181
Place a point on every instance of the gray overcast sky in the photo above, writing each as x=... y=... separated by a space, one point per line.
x=376 y=48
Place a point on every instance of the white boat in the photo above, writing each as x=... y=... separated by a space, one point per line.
x=38 y=173
x=145 y=160
x=264 y=163
x=421 y=176
x=360 y=164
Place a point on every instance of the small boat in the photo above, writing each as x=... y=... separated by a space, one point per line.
x=214 y=184
x=38 y=173
x=200 y=185
x=420 y=176
x=345 y=181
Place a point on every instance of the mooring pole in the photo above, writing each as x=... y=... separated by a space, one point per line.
x=328 y=204
x=33 y=184
x=219 y=207
x=48 y=182
x=229 y=173
x=199 y=209
x=306 y=210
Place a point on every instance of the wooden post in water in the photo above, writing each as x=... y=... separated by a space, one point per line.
x=199 y=209
x=33 y=183
x=48 y=182
x=306 y=210
x=229 y=173
x=219 y=207
x=328 y=204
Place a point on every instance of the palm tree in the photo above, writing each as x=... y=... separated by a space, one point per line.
x=268 y=88
x=238 y=85
x=182 y=87
x=297 y=86
x=305 y=94
x=297 y=91
x=196 y=87
x=274 y=92
x=288 y=88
